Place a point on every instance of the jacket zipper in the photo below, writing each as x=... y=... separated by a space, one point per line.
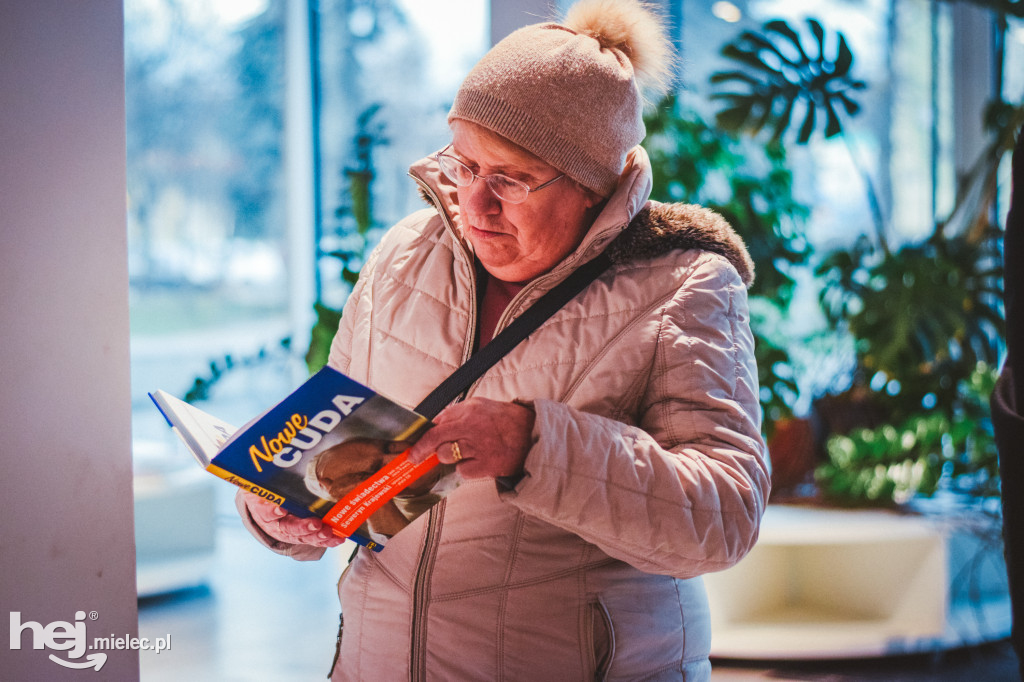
x=421 y=594
x=435 y=516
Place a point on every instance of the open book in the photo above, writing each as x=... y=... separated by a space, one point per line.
x=333 y=448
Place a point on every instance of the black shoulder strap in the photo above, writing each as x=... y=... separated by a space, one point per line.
x=509 y=338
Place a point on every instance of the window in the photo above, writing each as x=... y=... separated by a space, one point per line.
x=211 y=254
x=225 y=103
x=207 y=244
x=386 y=76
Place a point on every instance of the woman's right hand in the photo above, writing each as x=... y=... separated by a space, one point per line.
x=288 y=528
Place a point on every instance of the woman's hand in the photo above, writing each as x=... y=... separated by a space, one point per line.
x=483 y=438
x=285 y=527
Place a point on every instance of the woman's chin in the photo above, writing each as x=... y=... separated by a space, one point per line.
x=498 y=262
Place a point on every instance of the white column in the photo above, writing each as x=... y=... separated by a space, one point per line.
x=67 y=541
x=298 y=170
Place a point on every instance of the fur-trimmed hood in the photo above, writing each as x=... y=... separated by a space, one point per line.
x=659 y=228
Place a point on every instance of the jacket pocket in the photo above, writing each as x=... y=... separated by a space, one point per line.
x=603 y=639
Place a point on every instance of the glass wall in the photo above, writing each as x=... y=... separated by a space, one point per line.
x=210 y=250
x=207 y=243
x=220 y=244
x=210 y=247
x=386 y=75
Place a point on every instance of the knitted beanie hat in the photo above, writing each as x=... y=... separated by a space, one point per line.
x=570 y=93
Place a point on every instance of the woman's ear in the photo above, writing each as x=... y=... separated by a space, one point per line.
x=591 y=199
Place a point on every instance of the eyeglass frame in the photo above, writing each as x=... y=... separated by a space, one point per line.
x=486 y=178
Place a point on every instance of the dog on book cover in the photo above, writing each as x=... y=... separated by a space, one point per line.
x=610 y=459
x=339 y=470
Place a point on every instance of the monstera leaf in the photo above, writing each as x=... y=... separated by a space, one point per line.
x=780 y=78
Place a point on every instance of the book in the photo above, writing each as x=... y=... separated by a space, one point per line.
x=333 y=448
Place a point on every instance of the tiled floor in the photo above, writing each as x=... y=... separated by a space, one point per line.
x=267 y=617
x=261 y=617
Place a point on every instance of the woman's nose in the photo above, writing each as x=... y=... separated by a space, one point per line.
x=478 y=198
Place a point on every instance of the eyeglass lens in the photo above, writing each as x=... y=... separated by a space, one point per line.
x=503 y=187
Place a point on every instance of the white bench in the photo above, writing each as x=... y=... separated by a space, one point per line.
x=834 y=583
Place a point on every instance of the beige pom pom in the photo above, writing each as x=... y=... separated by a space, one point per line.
x=634 y=28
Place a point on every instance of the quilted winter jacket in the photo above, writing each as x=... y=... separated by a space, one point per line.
x=647 y=467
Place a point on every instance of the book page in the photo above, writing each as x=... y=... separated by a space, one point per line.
x=203 y=434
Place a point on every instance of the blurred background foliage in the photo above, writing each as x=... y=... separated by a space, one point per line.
x=925 y=318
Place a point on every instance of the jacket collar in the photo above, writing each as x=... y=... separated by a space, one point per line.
x=659 y=228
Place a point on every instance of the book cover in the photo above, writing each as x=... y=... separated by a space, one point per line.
x=333 y=448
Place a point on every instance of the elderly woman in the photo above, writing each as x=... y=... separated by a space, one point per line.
x=607 y=461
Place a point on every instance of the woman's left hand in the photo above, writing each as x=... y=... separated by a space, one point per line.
x=483 y=438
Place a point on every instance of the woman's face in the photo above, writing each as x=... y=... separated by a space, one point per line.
x=517 y=242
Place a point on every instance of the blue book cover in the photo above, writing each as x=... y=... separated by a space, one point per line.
x=333 y=448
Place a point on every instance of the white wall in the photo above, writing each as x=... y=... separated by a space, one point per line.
x=66 y=535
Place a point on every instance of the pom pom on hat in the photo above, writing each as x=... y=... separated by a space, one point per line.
x=571 y=93
x=632 y=29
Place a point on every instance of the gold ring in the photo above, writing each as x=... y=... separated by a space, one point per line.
x=456 y=452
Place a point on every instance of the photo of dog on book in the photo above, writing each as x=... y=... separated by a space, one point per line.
x=338 y=470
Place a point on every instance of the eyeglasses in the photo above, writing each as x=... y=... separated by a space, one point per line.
x=505 y=188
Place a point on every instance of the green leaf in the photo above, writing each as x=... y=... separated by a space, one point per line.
x=832 y=126
x=729 y=76
x=844 y=57
x=808 y=126
x=851 y=107
x=746 y=57
x=774 y=88
x=782 y=28
x=760 y=43
x=819 y=35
